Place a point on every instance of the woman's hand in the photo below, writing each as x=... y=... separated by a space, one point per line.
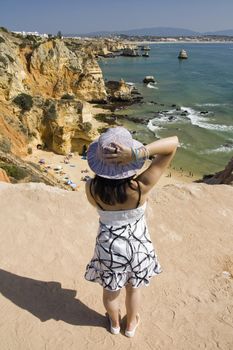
x=117 y=153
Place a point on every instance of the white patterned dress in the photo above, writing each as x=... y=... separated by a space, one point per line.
x=123 y=252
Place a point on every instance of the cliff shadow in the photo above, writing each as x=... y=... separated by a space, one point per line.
x=47 y=300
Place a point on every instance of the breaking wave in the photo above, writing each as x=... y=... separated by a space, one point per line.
x=152 y=86
x=197 y=119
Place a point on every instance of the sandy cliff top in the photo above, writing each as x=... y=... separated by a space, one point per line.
x=47 y=237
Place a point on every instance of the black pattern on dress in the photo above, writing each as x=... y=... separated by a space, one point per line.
x=123 y=252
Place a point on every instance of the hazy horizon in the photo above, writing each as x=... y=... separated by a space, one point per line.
x=74 y=16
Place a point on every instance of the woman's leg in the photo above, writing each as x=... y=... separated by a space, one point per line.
x=111 y=303
x=132 y=302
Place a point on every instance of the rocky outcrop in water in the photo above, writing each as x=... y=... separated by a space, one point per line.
x=121 y=91
x=103 y=47
x=149 y=79
x=183 y=55
x=130 y=52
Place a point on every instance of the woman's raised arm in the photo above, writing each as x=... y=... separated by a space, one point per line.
x=162 y=151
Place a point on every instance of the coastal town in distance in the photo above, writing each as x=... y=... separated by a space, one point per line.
x=143 y=38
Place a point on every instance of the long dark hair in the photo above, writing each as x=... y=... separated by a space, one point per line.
x=111 y=191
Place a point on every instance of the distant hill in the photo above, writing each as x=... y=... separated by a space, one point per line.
x=228 y=32
x=155 y=31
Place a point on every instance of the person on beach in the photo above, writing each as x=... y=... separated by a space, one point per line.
x=124 y=255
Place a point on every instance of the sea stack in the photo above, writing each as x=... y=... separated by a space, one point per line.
x=149 y=79
x=183 y=55
x=129 y=52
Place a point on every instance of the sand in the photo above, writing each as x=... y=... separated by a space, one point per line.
x=47 y=237
x=78 y=168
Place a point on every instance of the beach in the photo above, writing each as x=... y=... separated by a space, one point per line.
x=77 y=169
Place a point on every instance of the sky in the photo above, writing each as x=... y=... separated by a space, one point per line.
x=76 y=16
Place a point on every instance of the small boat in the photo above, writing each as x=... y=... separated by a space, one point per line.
x=145 y=54
x=183 y=55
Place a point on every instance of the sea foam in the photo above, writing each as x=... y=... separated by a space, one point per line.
x=154 y=128
x=152 y=86
x=202 y=122
x=221 y=149
x=211 y=104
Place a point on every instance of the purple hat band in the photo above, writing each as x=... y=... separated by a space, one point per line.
x=97 y=149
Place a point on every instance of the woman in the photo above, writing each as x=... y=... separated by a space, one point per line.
x=124 y=254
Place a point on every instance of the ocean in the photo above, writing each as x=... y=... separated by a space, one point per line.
x=191 y=98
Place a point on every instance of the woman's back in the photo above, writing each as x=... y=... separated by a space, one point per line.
x=134 y=192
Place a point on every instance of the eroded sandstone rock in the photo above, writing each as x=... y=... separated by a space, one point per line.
x=222 y=177
x=118 y=90
x=60 y=125
x=3 y=176
x=45 y=87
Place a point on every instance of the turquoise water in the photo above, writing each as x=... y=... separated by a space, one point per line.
x=203 y=83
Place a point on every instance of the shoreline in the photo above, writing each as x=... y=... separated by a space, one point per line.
x=177 y=42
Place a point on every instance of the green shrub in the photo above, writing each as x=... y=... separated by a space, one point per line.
x=29 y=150
x=67 y=97
x=5 y=145
x=101 y=130
x=24 y=101
x=31 y=38
x=87 y=126
x=14 y=171
x=35 y=45
x=4 y=29
x=2 y=40
x=22 y=45
x=24 y=129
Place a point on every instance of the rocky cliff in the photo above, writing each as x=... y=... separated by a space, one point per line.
x=45 y=88
x=47 y=68
x=99 y=47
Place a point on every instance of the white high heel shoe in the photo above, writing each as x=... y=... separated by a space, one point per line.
x=131 y=333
